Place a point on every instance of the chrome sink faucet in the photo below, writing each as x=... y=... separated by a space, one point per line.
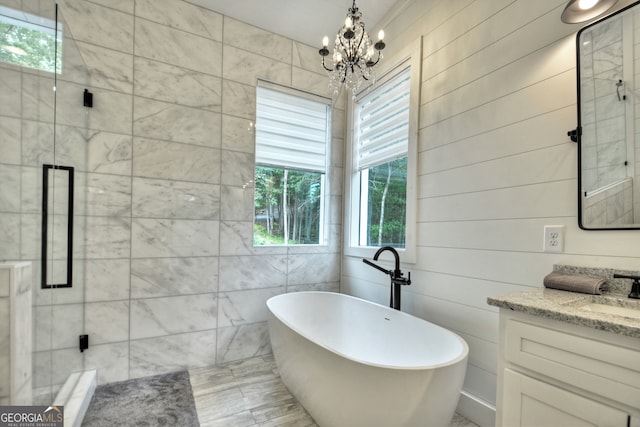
x=396 y=275
x=635 y=287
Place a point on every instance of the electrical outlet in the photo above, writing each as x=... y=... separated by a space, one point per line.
x=554 y=238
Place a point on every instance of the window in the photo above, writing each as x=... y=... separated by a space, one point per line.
x=381 y=192
x=29 y=41
x=381 y=135
x=292 y=135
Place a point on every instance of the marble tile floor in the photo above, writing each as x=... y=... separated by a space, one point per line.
x=250 y=393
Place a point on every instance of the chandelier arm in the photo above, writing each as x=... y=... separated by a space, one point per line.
x=346 y=51
x=354 y=52
x=361 y=37
x=372 y=64
x=325 y=67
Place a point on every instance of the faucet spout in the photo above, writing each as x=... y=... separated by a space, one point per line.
x=635 y=286
x=396 y=275
x=390 y=249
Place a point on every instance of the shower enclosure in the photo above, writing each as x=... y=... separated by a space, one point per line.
x=43 y=193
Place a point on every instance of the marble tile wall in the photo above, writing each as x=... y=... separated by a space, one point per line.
x=169 y=277
x=613 y=205
x=604 y=137
x=5 y=336
x=15 y=333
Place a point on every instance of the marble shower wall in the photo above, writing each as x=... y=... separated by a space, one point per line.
x=166 y=274
x=603 y=115
x=172 y=278
x=612 y=206
x=15 y=333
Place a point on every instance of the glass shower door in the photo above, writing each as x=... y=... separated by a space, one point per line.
x=59 y=314
x=43 y=130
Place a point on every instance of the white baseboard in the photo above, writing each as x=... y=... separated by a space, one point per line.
x=476 y=410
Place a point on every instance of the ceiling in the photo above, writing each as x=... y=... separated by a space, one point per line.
x=306 y=21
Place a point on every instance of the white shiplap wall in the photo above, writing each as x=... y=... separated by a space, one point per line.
x=495 y=165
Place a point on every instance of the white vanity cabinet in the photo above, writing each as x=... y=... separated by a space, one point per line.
x=553 y=373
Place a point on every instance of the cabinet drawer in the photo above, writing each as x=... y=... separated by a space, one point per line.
x=529 y=402
x=598 y=367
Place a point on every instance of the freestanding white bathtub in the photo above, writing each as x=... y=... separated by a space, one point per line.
x=354 y=363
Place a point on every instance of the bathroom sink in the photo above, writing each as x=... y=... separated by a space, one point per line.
x=612 y=309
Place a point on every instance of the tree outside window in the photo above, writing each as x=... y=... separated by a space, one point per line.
x=385 y=186
x=28 y=44
x=287 y=207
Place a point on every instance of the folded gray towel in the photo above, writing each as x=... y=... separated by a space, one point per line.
x=575 y=282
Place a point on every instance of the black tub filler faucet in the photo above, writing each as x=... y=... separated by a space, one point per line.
x=396 y=276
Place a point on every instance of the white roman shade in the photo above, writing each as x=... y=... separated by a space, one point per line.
x=383 y=122
x=292 y=132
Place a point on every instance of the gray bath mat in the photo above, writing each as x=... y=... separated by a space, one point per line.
x=160 y=400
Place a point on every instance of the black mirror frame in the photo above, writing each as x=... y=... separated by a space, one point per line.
x=576 y=134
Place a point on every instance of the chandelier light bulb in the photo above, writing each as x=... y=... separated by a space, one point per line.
x=325 y=41
x=381 y=35
x=348 y=23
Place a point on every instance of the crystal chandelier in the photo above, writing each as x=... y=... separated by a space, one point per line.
x=354 y=54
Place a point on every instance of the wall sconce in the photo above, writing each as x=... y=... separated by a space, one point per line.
x=583 y=10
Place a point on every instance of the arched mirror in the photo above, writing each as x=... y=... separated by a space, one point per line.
x=608 y=133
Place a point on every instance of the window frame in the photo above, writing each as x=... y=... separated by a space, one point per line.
x=410 y=56
x=325 y=179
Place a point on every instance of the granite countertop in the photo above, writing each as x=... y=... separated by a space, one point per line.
x=565 y=306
